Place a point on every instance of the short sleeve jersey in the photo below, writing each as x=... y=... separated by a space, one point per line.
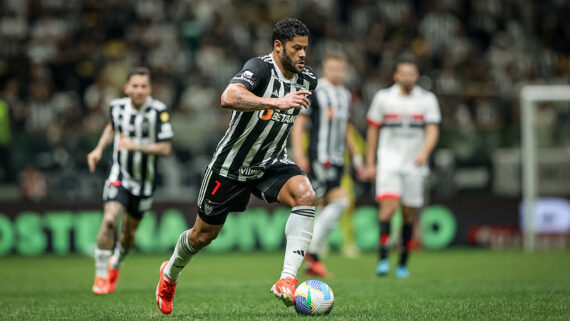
x=135 y=170
x=402 y=120
x=329 y=113
x=257 y=139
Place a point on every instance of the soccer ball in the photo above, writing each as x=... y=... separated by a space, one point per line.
x=314 y=297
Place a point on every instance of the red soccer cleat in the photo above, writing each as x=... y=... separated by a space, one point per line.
x=101 y=285
x=284 y=289
x=165 y=292
x=113 y=278
x=317 y=268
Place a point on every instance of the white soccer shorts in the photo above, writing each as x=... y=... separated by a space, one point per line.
x=403 y=186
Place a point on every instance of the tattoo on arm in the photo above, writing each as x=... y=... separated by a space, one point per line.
x=249 y=105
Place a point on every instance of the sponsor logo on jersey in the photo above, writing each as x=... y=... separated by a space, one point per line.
x=246 y=76
x=208 y=208
x=276 y=115
x=250 y=170
x=283 y=118
x=164 y=117
x=266 y=114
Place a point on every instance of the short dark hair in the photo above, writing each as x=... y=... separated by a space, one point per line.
x=286 y=29
x=406 y=59
x=336 y=54
x=143 y=71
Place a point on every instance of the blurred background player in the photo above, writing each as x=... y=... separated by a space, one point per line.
x=140 y=131
x=327 y=118
x=403 y=130
x=266 y=97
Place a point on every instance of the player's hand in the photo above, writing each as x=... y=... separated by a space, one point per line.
x=296 y=99
x=303 y=163
x=361 y=172
x=371 y=172
x=93 y=158
x=421 y=158
x=126 y=143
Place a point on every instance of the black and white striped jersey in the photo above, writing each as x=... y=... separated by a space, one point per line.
x=257 y=139
x=136 y=171
x=329 y=113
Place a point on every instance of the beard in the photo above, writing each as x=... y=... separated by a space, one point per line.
x=408 y=87
x=139 y=101
x=288 y=63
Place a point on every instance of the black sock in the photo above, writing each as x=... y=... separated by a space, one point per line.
x=407 y=230
x=314 y=257
x=384 y=242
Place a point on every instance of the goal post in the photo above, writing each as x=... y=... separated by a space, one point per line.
x=530 y=95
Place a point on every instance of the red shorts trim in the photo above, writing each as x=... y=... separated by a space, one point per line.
x=116 y=183
x=387 y=196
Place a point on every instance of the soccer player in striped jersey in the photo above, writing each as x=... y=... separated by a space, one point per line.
x=328 y=117
x=140 y=131
x=403 y=124
x=251 y=158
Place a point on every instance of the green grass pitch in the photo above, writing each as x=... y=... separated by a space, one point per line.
x=448 y=285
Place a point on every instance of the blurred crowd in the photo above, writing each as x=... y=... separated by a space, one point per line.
x=62 y=61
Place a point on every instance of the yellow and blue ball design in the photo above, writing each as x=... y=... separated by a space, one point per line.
x=314 y=297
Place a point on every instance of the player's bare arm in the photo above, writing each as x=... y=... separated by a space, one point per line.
x=371 y=145
x=236 y=96
x=297 y=143
x=95 y=156
x=159 y=149
x=432 y=135
x=357 y=161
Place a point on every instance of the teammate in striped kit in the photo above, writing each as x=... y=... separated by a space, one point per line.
x=251 y=158
x=403 y=124
x=140 y=131
x=328 y=118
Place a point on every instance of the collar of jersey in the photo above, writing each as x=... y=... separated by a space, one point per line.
x=396 y=88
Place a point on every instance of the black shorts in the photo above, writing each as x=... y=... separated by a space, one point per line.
x=136 y=206
x=220 y=195
x=324 y=179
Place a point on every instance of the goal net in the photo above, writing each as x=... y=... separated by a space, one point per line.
x=545 y=132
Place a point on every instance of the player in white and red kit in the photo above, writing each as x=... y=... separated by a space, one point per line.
x=403 y=130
